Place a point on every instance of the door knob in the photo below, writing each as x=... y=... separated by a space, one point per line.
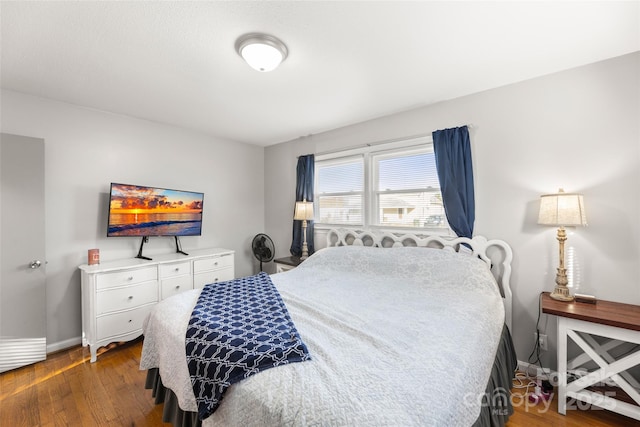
x=35 y=264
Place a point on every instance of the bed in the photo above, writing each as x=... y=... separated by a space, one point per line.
x=401 y=330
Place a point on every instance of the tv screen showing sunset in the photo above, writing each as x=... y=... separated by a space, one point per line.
x=148 y=211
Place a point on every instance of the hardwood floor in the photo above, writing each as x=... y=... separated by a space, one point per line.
x=68 y=390
x=539 y=415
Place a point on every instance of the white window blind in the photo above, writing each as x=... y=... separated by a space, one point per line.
x=339 y=191
x=406 y=191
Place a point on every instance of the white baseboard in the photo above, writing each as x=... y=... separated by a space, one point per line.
x=61 y=345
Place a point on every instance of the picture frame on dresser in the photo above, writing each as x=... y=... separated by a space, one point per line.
x=118 y=295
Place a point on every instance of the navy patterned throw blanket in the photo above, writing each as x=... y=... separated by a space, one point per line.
x=238 y=328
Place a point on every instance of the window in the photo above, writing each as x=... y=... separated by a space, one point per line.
x=393 y=187
x=406 y=190
x=340 y=191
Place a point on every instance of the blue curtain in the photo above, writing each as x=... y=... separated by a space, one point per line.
x=452 y=150
x=304 y=190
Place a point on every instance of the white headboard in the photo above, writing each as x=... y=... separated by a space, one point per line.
x=496 y=253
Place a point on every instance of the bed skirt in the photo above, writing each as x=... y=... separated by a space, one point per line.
x=171 y=412
x=496 y=401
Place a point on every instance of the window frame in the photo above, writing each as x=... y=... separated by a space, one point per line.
x=370 y=196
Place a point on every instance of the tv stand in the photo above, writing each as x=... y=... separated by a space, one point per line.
x=179 y=247
x=144 y=240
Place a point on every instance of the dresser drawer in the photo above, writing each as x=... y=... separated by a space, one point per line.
x=201 y=279
x=127 y=297
x=122 y=323
x=126 y=277
x=175 y=269
x=213 y=263
x=175 y=285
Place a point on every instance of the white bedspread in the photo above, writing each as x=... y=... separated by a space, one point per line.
x=398 y=337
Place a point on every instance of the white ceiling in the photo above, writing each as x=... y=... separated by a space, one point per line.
x=174 y=62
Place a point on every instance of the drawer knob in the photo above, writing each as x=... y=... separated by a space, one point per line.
x=215 y=263
x=130 y=278
x=177 y=268
x=215 y=280
x=130 y=297
x=178 y=287
x=130 y=320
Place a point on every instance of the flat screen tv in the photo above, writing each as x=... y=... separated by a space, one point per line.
x=136 y=210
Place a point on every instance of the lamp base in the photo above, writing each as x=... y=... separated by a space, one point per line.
x=561 y=293
x=305 y=248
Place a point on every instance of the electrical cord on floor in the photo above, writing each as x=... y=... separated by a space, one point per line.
x=523 y=380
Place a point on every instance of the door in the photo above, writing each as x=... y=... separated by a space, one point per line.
x=22 y=252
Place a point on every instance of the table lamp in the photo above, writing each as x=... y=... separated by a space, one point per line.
x=304 y=212
x=560 y=210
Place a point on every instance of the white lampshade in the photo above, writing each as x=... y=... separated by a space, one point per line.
x=261 y=51
x=562 y=209
x=303 y=211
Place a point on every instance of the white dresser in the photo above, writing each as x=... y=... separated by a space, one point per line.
x=118 y=295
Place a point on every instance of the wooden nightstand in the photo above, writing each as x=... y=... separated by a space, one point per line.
x=287 y=263
x=619 y=324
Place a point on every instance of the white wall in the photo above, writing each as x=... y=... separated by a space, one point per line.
x=86 y=150
x=577 y=129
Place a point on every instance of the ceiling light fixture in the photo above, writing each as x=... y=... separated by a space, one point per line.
x=261 y=51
